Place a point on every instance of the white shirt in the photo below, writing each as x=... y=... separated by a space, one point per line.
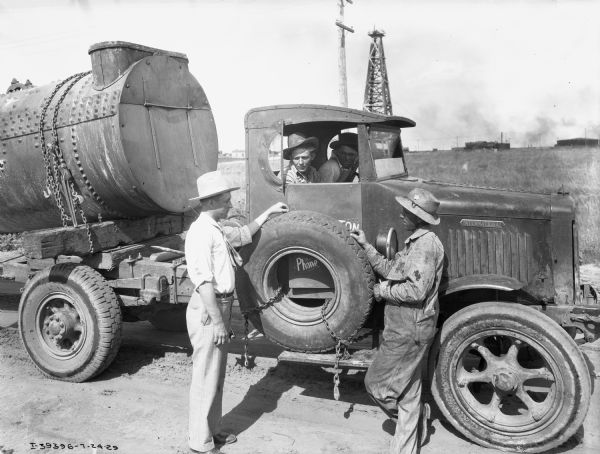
x=207 y=255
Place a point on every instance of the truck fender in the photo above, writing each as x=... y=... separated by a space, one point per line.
x=480 y=281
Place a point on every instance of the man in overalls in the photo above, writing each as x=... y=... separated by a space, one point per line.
x=211 y=259
x=409 y=289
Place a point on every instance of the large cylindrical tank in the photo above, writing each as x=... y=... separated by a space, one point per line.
x=135 y=134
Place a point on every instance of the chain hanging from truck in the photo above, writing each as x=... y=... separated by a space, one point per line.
x=339 y=352
x=279 y=294
x=59 y=181
x=341 y=349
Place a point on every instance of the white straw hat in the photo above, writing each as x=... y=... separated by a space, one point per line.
x=211 y=184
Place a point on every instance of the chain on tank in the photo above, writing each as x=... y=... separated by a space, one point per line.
x=57 y=171
x=50 y=161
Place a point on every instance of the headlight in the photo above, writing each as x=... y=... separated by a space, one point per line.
x=387 y=243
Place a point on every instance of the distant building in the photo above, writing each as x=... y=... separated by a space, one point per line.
x=235 y=154
x=484 y=145
x=578 y=142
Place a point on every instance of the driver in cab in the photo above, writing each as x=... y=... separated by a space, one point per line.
x=341 y=166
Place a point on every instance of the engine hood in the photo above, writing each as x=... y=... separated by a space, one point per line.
x=486 y=202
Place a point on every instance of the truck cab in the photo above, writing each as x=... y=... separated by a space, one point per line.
x=496 y=240
x=505 y=368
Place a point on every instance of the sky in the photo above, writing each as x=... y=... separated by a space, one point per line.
x=463 y=70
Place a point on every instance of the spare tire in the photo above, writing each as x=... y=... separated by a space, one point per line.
x=305 y=265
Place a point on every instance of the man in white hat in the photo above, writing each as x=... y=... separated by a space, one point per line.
x=211 y=262
x=409 y=289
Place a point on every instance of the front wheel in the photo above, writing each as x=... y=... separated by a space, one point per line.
x=511 y=378
x=70 y=322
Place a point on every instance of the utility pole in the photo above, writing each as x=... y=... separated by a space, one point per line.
x=377 y=88
x=343 y=89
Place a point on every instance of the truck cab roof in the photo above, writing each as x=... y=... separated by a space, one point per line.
x=290 y=114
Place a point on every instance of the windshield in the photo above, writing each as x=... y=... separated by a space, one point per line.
x=386 y=148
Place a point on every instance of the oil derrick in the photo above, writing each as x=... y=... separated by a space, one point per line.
x=377 y=89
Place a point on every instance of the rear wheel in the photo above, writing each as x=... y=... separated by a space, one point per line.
x=309 y=268
x=70 y=322
x=509 y=377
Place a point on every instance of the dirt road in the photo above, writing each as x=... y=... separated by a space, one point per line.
x=140 y=403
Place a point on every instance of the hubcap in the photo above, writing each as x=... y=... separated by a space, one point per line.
x=505 y=380
x=61 y=328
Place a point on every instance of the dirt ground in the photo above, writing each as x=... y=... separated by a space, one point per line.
x=140 y=403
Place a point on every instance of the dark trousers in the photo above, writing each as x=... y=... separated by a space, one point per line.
x=394 y=379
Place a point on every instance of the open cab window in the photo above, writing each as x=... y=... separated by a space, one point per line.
x=326 y=134
x=386 y=148
x=275 y=158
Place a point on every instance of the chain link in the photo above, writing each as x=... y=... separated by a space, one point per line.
x=339 y=354
x=341 y=346
x=50 y=159
x=341 y=349
x=59 y=180
x=246 y=363
x=51 y=180
x=279 y=294
x=78 y=199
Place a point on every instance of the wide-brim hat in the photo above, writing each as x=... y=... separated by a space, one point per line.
x=346 y=138
x=296 y=141
x=421 y=203
x=211 y=184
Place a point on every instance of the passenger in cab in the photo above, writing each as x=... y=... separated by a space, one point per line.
x=341 y=167
x=301 y=153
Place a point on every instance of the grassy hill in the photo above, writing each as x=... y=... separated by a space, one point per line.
x=577 y=170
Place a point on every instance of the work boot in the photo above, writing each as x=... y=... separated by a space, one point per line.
x=424 y=423
x=224 y=438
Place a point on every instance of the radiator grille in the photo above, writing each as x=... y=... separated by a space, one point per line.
x=486 y=251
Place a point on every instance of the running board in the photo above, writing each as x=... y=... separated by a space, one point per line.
x=359 y=359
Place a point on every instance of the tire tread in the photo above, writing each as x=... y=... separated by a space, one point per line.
x=106 y=307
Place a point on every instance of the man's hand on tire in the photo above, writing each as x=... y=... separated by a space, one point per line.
x=278 y=208
x=377 y=292
x=273 y=209
x=359 y=236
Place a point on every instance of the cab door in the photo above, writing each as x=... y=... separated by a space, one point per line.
x=341 y=201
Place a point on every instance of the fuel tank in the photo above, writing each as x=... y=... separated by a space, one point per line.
x=135 y=133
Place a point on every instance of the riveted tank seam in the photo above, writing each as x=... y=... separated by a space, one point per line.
x=86 y=180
